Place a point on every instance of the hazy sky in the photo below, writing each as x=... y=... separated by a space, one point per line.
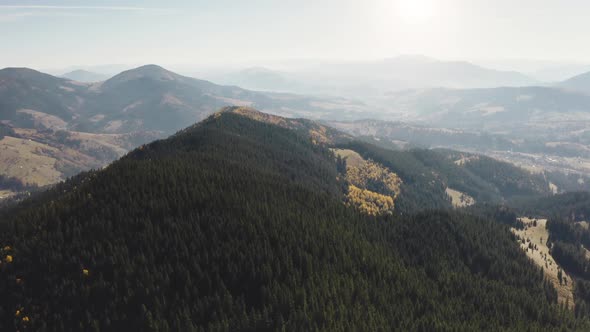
x=59 y=33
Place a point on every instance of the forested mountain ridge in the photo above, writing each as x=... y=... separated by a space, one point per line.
x=236 y=224
x=319 y=134
x=426 y=174
x=423 y=174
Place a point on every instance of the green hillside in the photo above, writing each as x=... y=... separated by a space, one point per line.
x=239 y=225
x=426 y=174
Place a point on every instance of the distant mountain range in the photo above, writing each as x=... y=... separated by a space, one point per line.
x=260 y=78
x=84 y=76
x=372 y=78
x=496 y=109
x=91 y=124
x=137 y=100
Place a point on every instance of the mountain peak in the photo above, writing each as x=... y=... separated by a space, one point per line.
x=151 y=68
x=316 y=131
x=243 y=110
x=151 y=71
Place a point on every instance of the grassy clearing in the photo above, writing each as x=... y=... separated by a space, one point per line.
x=5 y=194
x=43 y=158
x=29 y=161
x=537 y=236
x=459 y=199
x=464 y=160
x=352 y=157
x=45 y=120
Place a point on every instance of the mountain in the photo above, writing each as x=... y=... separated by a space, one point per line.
x=547 y=71
x=61 y=127
x=40 y=147
x=558 y=73
x=539 y=128
x=558 y=156
x=23 y=88
x=136 y=99
x=577 y=83
x=496 y=109
x=423 y=72
x=427 y=175
x=370 y=79
x=239 y=224
x=81 y=75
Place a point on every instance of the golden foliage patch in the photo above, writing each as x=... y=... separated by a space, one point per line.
x=369 y=202
x=372 y=187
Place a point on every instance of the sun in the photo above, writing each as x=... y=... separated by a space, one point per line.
x=416 y=11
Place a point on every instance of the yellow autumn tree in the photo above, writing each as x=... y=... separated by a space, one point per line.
x=368 y=201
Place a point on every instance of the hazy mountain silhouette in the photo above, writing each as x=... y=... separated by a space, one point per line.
x=81 y=75
x=578 y=83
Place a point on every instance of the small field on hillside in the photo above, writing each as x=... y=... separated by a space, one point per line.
x=459 y=199
x=28 y=161
x=352 y=157
x=5 y=194
x=46 y=157
x=536 y=236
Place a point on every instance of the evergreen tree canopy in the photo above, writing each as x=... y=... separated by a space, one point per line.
x=239 y=225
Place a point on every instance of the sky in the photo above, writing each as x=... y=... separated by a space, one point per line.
x=62 y=33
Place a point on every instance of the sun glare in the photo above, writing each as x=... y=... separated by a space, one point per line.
x=416 y=11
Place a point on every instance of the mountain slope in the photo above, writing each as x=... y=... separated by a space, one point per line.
x=497 y=109
x=22 y=88
x=578 y=83
x=427 y=174
x=237 y=224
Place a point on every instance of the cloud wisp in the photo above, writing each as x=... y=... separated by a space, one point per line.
x=12 y=13
x=50 y=7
